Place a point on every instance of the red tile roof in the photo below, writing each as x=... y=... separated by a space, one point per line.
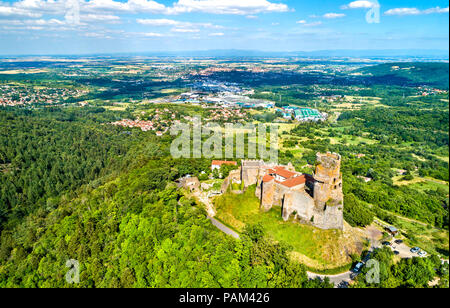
x=281 y=171
x=268 y=178
x=292 y=182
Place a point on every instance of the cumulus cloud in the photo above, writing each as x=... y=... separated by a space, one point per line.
x=185 y=30
x=178 y=26
x=237 y=7
x=175 y=23
x=436 y=10
x=100 y=18
x=38 y=8
x=333 y=15
x=158 y=22
x=93 y=13
x=10 y=11
x=403 y=11
x=217 y=34
x=415 y=11
x=309 y=24
x=131 y=6
x=153 y=34
x=360 y=4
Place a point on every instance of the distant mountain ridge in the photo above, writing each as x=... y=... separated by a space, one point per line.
x=420 y=53
x=318 y=53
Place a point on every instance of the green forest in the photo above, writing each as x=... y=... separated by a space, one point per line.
x=119 y=215
x=72 y=186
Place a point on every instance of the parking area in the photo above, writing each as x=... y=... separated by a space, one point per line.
x=402 y=250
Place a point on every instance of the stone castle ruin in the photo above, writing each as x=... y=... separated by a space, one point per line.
x=313 y=199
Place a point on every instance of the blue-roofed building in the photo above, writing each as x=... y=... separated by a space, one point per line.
x=308 y=114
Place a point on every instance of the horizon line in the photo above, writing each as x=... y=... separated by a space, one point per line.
x=411 y=52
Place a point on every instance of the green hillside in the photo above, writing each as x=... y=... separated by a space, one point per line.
x=411 y=73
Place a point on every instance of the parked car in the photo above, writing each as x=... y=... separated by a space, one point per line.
x=423 y=254
x=358 y=267
x=386 y=244
x=415 y=250
x=398 y=242
x=396 y=252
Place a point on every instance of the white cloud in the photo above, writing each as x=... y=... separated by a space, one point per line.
x=38 y=8
x=33 y=22
x=403 y=11
x=158 y=22
x=415 y=11
x=217 y=34
x=313 y=24
x=184 y=30
x=60 y=7
x=131 y=6
x=436 y=10
x=237 y=7
x=99 y=17
x=309 y=24
x=360 y=4
x=152 y=34
x=333 y=15
x=178 y=26
x=96 y=35
x=9 y=11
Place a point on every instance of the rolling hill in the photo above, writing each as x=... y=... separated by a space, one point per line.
x=410 y=73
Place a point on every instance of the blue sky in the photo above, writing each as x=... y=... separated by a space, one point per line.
x=99 y=26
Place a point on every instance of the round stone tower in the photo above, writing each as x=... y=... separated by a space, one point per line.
x=328 y=179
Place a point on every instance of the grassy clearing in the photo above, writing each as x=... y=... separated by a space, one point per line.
x=318 y=249
x=421 y=184
x=351 y=140
x=430 y=185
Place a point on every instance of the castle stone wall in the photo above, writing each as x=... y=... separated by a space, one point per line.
x=324 y=210
x=300 y=203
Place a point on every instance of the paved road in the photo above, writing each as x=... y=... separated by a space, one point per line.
x=223 y=228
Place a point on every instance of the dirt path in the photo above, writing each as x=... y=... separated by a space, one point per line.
x=223 y=228
x=203 y=198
